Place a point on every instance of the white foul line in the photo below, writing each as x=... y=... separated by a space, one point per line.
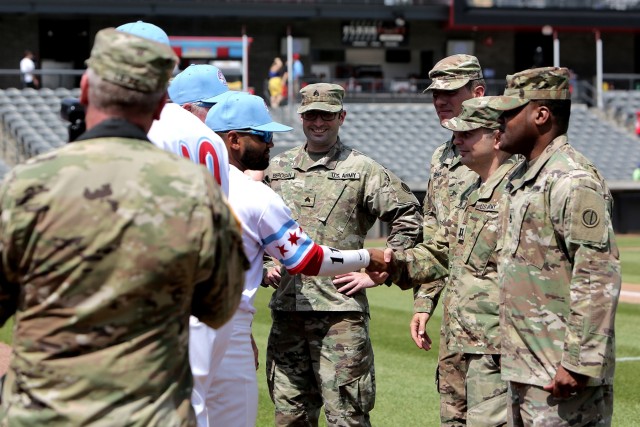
x=627 y=359
x=632 y=294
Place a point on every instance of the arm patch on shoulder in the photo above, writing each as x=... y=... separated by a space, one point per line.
x=588 y=216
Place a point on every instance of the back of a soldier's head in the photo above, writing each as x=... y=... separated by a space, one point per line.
x=128 y=72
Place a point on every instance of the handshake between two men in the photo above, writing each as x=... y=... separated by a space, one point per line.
x=380 y=267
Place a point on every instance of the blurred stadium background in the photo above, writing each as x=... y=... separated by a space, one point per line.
x=379 y=50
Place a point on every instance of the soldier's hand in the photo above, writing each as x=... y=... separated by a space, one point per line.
x=566 y=383
x=418 y=328
x=355 y=282
x=377 y=261
x=272 y=277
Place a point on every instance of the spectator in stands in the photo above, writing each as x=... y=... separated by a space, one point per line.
x=636 y=173
x=107 y=246
x=297 y=72
x=27 y=67
x=276 y=82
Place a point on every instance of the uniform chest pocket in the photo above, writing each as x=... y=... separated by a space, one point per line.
x=334 y=206
x=479 y=243
x=532 y=230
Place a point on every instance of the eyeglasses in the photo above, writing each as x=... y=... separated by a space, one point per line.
x=324 y=115
x=266 y=137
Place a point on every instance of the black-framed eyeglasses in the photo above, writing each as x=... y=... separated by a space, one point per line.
x=324 y=115
x=266 y=137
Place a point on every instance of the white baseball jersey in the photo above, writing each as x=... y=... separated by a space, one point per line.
x=182 y=133
x=267 y=226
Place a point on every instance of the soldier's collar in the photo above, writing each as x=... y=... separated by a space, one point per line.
x=534 y=167
x=330 y=160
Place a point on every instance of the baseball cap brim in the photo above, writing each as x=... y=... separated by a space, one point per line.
x=457 y=125
x=447 y=84
x=272 y=127
x=506 y=103
x=218 y=98
x=321 y=106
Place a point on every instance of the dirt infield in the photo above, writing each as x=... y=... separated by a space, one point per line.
x=630 y=293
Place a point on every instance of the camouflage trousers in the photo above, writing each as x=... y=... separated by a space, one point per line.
x=316 y=358
x=486 y=391
x=530 y=405
x=450 y=381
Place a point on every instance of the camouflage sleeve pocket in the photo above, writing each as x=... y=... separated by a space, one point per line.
x=588 y=222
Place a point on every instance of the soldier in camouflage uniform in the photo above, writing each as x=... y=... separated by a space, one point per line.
x=319 y=350
x=559 y=264
x=471 y=324
x=108 y=244
x=455 y=79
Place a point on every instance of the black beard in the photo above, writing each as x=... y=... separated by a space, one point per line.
x=254 y=160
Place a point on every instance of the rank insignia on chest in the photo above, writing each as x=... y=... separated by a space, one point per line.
x=345 y=175
x=308 y=200
x=461 y=234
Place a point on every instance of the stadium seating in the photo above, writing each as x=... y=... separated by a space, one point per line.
x=401 y=137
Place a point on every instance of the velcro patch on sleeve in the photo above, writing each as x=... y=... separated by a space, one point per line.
x=588 y=216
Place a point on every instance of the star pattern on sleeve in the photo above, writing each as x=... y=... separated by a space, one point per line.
x=293 y=238
x=282 y=249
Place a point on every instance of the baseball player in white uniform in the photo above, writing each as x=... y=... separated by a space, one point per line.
x=247 y=129
x=181 y=130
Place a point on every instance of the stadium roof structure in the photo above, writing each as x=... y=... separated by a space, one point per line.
x=307 y=9
x=576 y=15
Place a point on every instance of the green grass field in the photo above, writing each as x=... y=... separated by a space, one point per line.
x=406 y=393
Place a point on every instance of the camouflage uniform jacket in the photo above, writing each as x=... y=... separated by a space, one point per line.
x=336 y=200
x=102 y=243
x=449 y=183
x=560 y=271
x=472 y=295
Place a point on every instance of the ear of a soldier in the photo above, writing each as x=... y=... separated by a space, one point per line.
x=84 y=90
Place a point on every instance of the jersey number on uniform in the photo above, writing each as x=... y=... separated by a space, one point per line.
x=207 y=156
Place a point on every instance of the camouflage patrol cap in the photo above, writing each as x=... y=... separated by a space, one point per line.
x=533 y=84
x=131 y=61
x=476 y=113
x=321 y=96
x=453 y=72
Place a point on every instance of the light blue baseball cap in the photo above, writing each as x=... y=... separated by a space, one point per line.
x=241 y=110
x=198 y=82
x=145 y=30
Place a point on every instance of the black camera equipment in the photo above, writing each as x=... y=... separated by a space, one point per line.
x=73 y=112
